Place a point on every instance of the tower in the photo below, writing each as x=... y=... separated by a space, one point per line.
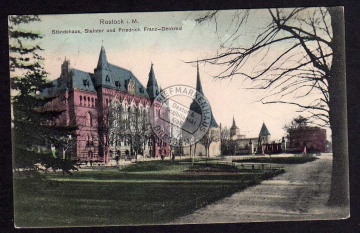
x=195 y=106
x=65 y=76
x=206 y=147
x=102 y=71
x=264 y=135
x=152 y=86
x=234 y=130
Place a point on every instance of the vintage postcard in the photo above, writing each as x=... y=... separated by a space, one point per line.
x=190 y=117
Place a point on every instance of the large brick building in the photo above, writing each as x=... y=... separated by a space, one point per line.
x=86 y=99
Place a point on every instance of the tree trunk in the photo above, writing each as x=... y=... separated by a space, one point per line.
x=339 y=194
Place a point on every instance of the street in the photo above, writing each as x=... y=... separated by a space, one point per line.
x=300 y=193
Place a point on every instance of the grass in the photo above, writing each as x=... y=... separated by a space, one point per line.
x=158 y=194
x=174 y=166
x=279 y=160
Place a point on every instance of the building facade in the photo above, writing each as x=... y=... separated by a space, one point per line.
x=110 y=109
x=240 y=145
x=311 y=138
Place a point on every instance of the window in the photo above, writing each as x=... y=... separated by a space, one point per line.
x=88 y=101
x=87 y=140
x=88 y=119
x=85 y=100
x=92 y=102
x=80 y=100
x=86 y=82
x=117 y=84
x=107 y=79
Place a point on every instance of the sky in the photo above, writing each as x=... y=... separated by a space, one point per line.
x=169 y=51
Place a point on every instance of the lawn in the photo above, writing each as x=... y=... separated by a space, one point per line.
x=156 y=194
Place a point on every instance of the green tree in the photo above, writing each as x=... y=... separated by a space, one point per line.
x=297 y=122
x=33 y=128
x=296 y=54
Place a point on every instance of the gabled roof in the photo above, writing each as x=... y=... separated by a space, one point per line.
x=122 y=76
x=82 y=80
x=264 y=131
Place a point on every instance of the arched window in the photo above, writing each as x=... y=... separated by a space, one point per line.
x=88 y=101
x=92 y=102
x=85 y=100
x=80 y=100
x=88 y=119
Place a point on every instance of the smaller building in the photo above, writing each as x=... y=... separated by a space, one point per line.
x=313 y=138
x=240 y=145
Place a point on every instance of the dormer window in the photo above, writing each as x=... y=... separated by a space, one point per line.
x=157 y=92
x=117 y=84
x=131 y=86
x=86 y=82
x=141 y=90
x=107 y=79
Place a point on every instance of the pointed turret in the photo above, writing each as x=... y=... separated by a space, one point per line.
x=102 y=72
x=102 y=62
x=233 y=125
x=234 y=130
x=152 y=86
x=264 y=131
x=264 y=135
x=195 y=106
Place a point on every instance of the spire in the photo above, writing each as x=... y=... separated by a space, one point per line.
x=264 y=131
x=198 y=82
x=195 y=106
x=152 y=86
x=102 y=72
x=233 y=125
x=102 y=63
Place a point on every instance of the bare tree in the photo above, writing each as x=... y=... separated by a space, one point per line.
x=129 y=124
x=224 y=137
x=139 y=130
x=210 y=136
x=299 y=52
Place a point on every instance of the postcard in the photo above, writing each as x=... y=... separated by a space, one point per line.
x=187 y=117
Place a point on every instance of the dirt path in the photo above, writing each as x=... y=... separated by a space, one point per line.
x=298 y=194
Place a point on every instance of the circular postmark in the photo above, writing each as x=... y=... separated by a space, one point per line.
x=176 y=124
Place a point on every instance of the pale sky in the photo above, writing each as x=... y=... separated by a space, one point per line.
x=168 y=51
